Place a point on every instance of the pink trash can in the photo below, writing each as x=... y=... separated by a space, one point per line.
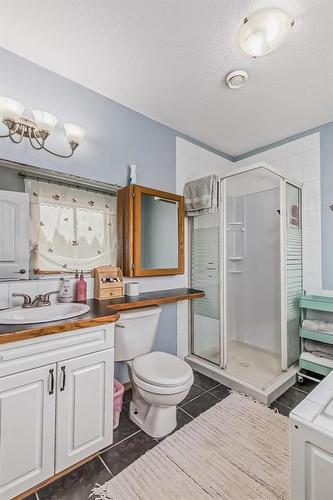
x=118 y=394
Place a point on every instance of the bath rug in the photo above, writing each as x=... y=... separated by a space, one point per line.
x=236 y=450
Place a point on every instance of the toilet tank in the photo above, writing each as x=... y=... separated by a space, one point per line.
x=135 y=332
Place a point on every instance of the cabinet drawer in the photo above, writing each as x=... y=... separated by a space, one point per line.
x=27 y=354
x=111 y=293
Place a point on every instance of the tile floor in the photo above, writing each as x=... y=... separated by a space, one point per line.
x=130 y=442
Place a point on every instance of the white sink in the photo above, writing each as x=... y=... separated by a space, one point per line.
x=54 y=312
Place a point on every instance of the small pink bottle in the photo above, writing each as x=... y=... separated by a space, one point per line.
x=81 y=289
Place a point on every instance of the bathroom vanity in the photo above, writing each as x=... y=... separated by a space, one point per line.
x=56 y=404
x=56 y=384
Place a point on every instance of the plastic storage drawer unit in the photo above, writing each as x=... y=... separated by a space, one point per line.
x=311 y=445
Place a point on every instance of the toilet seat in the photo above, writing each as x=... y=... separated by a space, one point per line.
x=162 y=373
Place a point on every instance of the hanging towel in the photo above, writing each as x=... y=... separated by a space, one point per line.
x=201 y=196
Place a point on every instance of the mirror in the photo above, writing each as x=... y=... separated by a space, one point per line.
x=159 y=232
x=54 y=222
x=150 y=232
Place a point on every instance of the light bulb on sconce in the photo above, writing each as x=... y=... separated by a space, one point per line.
x=44 y=121
x=10 y=109
x=75 y=134
x=37 y=130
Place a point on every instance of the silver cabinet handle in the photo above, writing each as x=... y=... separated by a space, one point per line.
x=63 y=378
x=51 y=381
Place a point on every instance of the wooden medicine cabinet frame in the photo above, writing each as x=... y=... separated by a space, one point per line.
x=129 y=231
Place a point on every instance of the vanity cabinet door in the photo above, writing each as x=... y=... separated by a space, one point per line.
x=84 y=419
x=27 y=422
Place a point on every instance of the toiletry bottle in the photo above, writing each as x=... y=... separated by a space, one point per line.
x=132 y=178
x=81 y=289
x=77 y=276
x=65 y=294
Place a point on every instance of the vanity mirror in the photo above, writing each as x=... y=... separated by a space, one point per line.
x=150 y=232
x=54 y=223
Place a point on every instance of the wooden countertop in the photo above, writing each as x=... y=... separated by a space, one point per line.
x=154 y=298
x=101 y=312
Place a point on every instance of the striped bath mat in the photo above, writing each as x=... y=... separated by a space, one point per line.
x=236 y=450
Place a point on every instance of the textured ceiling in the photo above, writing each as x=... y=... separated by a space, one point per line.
x=167 y=59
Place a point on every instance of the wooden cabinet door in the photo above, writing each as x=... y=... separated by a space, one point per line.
x=14 y=238
x=27 y=427
x=84 y=419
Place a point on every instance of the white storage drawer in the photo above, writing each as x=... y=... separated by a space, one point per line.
x=26 y=354
x=311 y=445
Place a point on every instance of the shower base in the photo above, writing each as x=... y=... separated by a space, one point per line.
x=250 y=369
x=253 y=364
x=257 y=366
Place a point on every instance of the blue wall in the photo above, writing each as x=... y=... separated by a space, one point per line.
x=116 y=137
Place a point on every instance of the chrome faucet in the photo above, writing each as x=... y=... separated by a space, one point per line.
x=39 y=301
x=26 y=297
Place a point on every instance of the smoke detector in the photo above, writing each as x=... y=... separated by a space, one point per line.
x=236 y=79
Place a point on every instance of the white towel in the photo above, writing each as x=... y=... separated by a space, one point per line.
x=319 y=349
x=201 y=196
x=317 y=325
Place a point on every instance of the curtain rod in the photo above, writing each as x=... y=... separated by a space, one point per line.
x=49 y=175
x=60 y=182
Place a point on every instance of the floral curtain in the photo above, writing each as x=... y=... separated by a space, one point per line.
x=70 y=227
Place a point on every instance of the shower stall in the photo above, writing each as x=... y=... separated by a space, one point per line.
x=247 y=258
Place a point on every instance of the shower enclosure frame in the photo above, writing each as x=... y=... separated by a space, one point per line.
x=209 y=368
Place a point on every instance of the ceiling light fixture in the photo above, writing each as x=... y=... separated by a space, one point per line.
x=264 y=32
x=36 y=131
x=236 y=79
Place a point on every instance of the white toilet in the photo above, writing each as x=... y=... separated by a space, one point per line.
x=160 y=381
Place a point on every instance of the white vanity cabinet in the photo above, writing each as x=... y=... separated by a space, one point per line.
x=84 y=401
x=26 y=430
x=56 y=395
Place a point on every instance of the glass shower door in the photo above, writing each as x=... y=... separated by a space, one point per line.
x=292 y=285
x=252 y=287
x=205 y=270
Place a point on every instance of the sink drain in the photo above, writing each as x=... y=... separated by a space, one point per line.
x=246 y=365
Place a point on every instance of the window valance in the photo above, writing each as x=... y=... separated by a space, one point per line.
x=70 y=227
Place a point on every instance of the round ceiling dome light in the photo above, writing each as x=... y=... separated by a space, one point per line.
x=264 y=32
x=236 y=79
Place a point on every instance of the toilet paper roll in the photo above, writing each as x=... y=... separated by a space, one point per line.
x=132 y=288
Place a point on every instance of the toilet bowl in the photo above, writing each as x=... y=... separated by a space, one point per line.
x=157 y=391
x=160 y=381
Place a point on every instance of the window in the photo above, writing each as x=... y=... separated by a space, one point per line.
x=70 y=227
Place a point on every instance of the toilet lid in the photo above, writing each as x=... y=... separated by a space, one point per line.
x=162 y=369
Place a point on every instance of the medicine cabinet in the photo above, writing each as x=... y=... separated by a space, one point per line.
x=150 y=232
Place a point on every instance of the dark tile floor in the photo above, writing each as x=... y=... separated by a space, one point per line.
x=130 y=442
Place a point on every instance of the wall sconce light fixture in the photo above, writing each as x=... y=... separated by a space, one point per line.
x=37 y=130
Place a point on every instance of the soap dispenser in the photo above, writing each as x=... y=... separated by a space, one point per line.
x=132 y=178
x=65 y=294
x=81 y=289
